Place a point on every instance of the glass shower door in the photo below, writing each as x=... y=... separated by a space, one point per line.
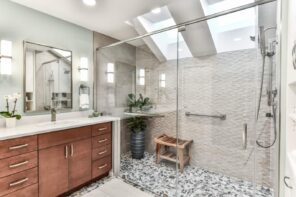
x=128 y=74
x=217 y=104
x=216 y=109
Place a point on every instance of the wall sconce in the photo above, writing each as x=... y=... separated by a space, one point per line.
x=110 y=72
x=162 y=80
x=83 y=69
x=142 y=77
x=6 y=57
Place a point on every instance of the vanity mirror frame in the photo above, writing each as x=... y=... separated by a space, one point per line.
x=40 y=112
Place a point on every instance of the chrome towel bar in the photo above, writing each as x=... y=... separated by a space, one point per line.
x=222 y=116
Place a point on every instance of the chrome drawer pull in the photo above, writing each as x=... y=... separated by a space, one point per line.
x=18 y=146
x=103 y=166
x=103 y=152
x=102 y=129
x=18 y=182
x=18 y=164
x=104 y=140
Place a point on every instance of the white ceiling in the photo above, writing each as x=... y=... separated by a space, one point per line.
x=107 y=17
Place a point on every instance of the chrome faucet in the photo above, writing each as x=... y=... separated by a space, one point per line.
x=53 y=112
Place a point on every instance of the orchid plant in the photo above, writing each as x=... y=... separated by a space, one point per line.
x=11 y=113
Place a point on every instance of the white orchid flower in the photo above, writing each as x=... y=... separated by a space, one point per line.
x=10 y=97
x=6 y=97
x=17 y=95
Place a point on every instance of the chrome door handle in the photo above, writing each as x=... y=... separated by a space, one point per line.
x=72 y=150
x=18 y=164
x=66 y=151
x=18 y=146
x=245 y=136
x=285 y=181
x=18 y=182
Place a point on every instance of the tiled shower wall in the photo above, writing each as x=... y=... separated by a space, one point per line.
x=226 y=83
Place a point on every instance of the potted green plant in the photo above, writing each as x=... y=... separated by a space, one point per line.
x=140 y=104
x=137 y=125
x=132 y=103
x=11 y=116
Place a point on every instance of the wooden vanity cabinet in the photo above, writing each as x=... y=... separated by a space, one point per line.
x=80 y=163
x=52 y=164
x=101 y=149
x=19 y=167
x=53 y=171
x=63 y=167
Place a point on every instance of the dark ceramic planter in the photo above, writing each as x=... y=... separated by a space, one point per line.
x=138 y=144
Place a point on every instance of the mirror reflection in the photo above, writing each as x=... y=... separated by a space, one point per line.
x=48 y=78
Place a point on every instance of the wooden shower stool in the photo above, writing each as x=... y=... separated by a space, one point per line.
x=183 y=150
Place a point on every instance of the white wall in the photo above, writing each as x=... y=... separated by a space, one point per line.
x=289 y=98
x=18 y=24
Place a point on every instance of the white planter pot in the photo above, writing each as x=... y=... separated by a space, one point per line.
x=10 y=122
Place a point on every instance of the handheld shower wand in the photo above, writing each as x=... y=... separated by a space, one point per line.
x=270 y=92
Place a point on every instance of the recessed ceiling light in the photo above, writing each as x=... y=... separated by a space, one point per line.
x=156 y=10
x=89 y=2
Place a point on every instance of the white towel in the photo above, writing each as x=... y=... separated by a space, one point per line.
x=84 y=101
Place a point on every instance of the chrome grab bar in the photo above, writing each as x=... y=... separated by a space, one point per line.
x=245 y=136
x=222 y=116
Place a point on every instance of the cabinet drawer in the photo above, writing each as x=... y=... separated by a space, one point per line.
x=101 y=129
x=101 y=166
x=63 y=137
x=18 y=181
x=101 y=140
x=30 y=191
x=9 y=148
x=18 y=163
x=101 y=152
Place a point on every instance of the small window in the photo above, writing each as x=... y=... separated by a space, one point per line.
x=142 y=77
x=162 y=80
x=110 y=72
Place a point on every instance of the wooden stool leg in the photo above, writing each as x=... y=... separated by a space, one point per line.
x=158 y=148
x=189 y=153
x=181 y=158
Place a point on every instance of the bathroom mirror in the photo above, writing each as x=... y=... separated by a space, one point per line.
x=48 y=78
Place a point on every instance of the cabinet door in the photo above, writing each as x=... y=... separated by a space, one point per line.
x=79 y=163
x=53 y=171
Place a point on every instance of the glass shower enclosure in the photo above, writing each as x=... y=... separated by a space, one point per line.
x=206 y=81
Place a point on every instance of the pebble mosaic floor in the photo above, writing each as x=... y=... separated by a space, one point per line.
x=160 y=180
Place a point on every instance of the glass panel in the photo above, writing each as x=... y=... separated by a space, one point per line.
x=203 y=85
x=143 y=70
x=218 y=97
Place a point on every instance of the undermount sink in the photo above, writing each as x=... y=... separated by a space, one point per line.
x=57 y=123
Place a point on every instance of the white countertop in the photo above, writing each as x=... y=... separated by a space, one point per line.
x=46 y=127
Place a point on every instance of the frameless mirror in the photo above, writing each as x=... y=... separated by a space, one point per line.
x=48 y=78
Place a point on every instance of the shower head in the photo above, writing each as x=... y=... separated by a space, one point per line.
x=262 y=41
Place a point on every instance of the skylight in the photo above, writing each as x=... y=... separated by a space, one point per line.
x=166 y=41
x=62 y=53
x=231 y=32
